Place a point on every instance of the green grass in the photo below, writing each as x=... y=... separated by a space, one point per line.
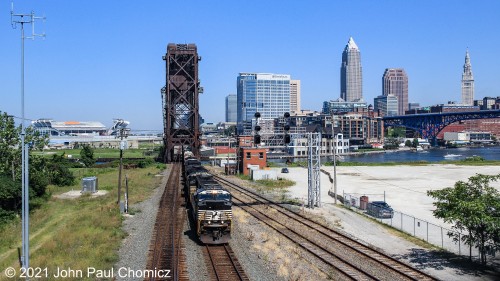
x=78 y=233
x=99 y=153
x=280 y=183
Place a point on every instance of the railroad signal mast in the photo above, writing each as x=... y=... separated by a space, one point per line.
x=256 y=136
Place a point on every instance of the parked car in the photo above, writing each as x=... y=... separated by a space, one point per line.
x=380 y=209
x=284 y=170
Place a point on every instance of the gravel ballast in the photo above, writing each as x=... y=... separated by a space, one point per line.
x=266 y=255
x=139 y=227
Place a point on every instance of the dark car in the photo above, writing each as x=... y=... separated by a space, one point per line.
x=380 y=209
x=284 y=170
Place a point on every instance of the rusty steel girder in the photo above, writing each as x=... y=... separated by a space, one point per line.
x=180 y=101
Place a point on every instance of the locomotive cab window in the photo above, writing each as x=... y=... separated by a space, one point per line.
x=214 y=196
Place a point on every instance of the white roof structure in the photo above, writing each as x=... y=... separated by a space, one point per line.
x=351 y=44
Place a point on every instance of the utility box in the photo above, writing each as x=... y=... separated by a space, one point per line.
x=363 y=202
x=230 y=169
x=89 y=184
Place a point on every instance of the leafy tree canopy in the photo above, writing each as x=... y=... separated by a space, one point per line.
x=473 y=207
x=87 y=156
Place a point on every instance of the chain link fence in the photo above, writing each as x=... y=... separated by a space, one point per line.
x=432 y=233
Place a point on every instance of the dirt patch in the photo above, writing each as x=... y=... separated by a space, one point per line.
x=73 y=194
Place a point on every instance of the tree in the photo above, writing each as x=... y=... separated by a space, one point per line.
x=60 y=174
x=408 y=143
x=391 y=143
x=229 y=130
x=10 y=166
x=87 y=155
x=10 y=198
x=474 y=207
x=9 y=140
x=396 y=132
x=415 y=143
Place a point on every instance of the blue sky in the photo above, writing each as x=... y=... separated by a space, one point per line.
x=103 y=59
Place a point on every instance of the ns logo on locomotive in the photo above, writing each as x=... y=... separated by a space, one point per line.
x=211 y=203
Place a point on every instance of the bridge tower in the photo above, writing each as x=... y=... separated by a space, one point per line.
x=180 y=101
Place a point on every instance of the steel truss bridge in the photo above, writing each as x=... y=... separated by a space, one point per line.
x=430 y=124
x=180 y=101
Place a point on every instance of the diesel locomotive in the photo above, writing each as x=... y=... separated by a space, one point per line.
x=211 y=203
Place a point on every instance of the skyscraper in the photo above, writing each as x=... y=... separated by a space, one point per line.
x=351 y=87
x=395 y=82
x=266 y=93
x=386 y=105
x=295 y=95
x=467 y=82
x=231 y=108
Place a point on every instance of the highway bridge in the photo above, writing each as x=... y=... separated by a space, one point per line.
x=429 y=125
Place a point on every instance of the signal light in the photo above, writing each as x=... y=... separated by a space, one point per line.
x=257 y=128
x=287 y=139
x=287 y=128
x=256 y=139
x=286 y=115
x=257 y=115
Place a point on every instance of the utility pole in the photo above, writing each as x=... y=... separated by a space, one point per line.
x=23 y=19
x=334 y=147
x=237 y=150
x=335 y=167
x=123 y=145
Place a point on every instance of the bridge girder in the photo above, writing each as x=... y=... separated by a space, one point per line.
x=429 y=125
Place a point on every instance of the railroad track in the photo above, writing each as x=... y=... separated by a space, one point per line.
x=166 y=249
x=351 y=258
x=224 y=264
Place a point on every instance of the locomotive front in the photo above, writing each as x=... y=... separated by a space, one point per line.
x=212 y=206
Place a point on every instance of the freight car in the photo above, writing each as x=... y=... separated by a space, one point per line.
x=211 y=203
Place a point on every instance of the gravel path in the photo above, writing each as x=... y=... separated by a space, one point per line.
x=139 y=227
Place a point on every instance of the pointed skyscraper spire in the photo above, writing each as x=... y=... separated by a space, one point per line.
x=351 y=44
x=467 y=58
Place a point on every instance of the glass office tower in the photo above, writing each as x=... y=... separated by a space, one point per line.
x=266 y=93
x=231 y=108
x=351 y=87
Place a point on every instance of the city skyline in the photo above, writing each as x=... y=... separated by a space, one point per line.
x=102 y=61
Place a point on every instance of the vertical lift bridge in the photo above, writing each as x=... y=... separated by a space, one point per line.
x=180 y=101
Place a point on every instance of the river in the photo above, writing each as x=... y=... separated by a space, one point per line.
x=430 y=155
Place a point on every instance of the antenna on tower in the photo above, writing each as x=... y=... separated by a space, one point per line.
x=23 y=19
x=26 y=19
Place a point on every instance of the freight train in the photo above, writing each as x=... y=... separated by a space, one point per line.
x=211 y=203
